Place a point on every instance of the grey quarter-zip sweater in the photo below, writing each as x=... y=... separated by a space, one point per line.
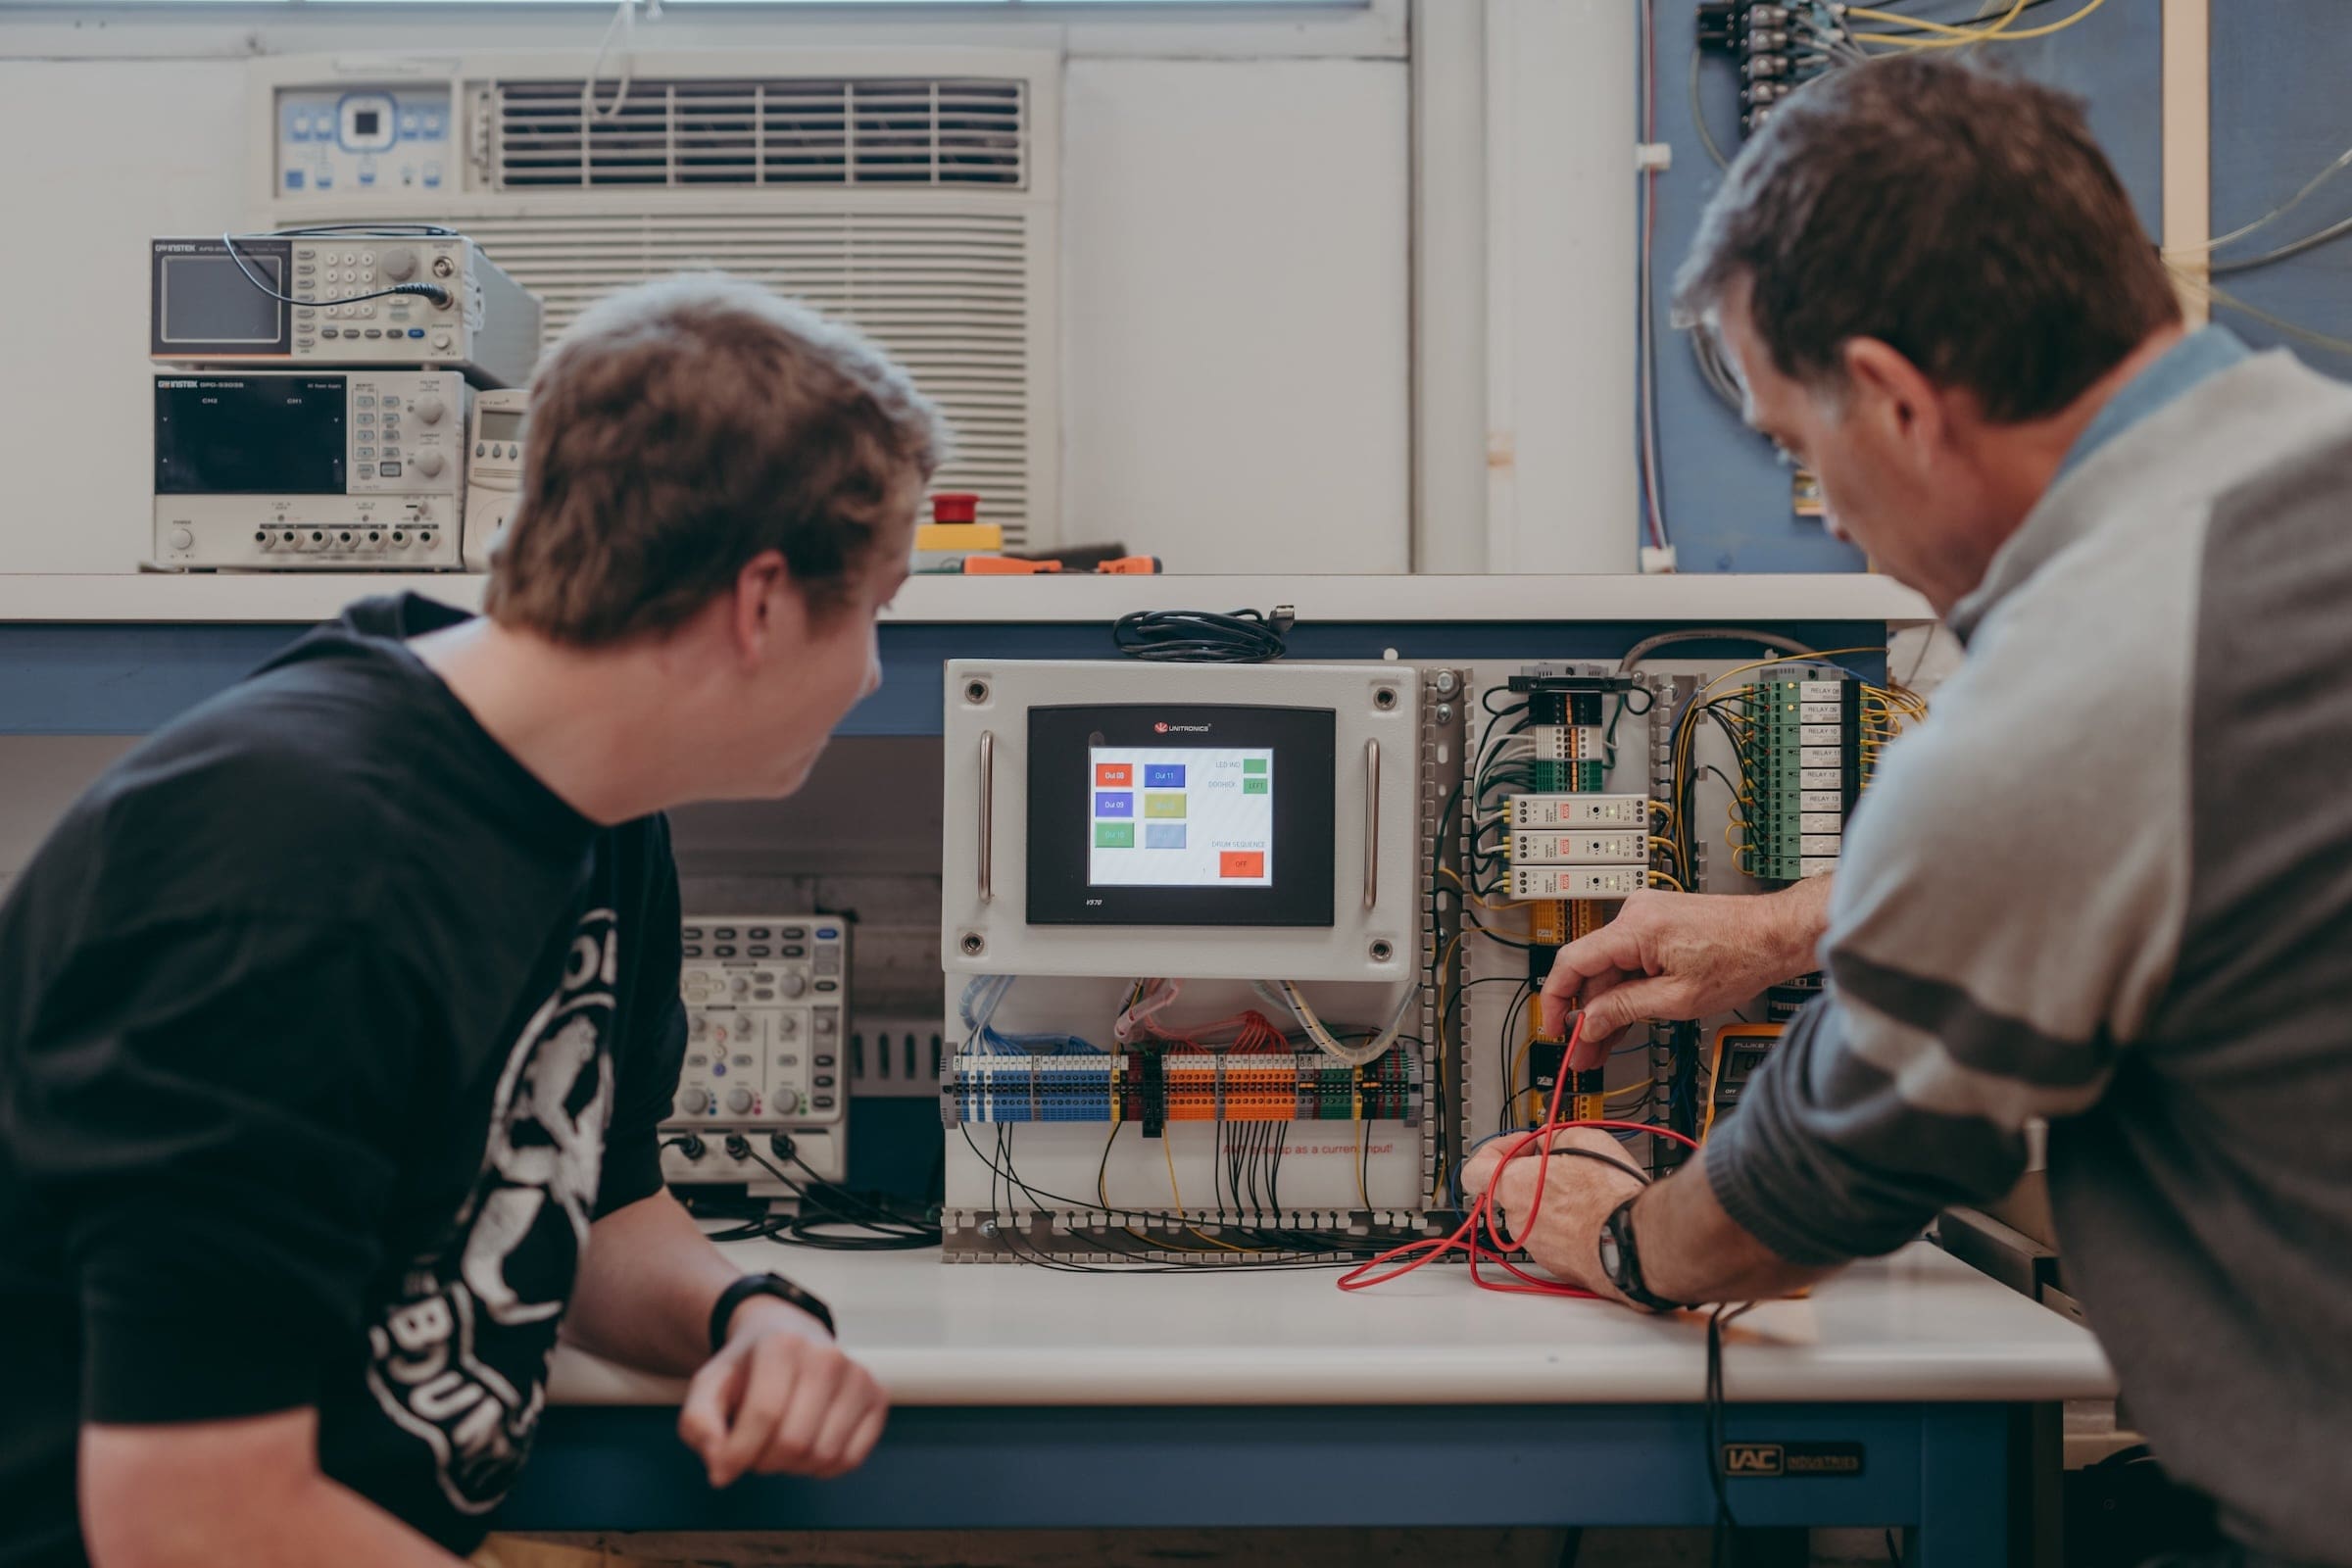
x=2109 y=885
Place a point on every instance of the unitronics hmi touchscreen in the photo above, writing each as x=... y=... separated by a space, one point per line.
x=1157 y=813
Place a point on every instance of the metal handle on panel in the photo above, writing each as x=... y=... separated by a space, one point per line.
x=988 y=793
x=1371 y=823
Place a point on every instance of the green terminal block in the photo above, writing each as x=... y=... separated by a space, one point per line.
x=1802 y=763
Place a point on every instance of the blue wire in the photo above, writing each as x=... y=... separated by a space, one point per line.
x=981 y=998
x=1040 y=1045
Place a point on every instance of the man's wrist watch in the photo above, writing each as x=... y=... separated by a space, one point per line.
x=722 y=1312
x=1621 y=1261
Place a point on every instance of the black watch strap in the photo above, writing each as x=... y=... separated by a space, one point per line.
x=722 y=1311
x=1625 y=1261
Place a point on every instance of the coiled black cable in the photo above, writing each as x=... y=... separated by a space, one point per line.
x=1205 y=636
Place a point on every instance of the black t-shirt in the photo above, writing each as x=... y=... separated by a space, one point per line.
x=325 y=1030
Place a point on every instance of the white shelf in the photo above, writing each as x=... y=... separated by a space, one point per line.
x=305 y=597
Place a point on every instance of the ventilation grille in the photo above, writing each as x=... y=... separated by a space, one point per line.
x=774 y=131
x=946 y=295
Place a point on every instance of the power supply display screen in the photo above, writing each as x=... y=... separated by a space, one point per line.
x=1181 y=816
x=208 y=301
x=246 y=435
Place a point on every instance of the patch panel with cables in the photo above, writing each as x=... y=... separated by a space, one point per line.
x=1194 y=935
x=1808 y=740
x=1778 y=48
x=1803 y=765
x=1250 y=1122
x=1563 y=827
x=1122 y=1094
x=1779 y=45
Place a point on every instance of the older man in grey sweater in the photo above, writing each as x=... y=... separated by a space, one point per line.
x=2109 y=884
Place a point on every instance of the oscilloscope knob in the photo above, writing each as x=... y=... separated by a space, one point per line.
x=694 y=1102
x=399 y=265
x=795 y=984
x=429 y=410
x=739 y=1101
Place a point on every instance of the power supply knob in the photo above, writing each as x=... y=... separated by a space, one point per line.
x=430 y=410
x=181 y=539
x=739 y=1101
x=695 y=1101
x=794 y=984
x=399 y=265
x=428 y=463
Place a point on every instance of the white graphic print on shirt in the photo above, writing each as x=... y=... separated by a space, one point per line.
x=459 y=1357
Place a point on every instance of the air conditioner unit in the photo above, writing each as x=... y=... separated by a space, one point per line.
x=913 y=193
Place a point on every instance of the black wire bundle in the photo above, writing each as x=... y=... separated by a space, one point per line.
x=831 y=1218
x=1251 y=1152
x=1333 y=1250
x=835 y=1219
x=1433 y=980
x=1512 y=1090
x=1205 y=636
x=369 y=230
x=1719 y=1552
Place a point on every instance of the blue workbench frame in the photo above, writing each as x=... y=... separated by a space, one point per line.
x=116 y=678
x=1943 y=1471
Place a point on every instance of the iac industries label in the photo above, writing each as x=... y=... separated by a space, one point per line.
x=1782 y=1461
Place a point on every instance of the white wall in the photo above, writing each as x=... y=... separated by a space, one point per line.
x=1235 y=313
x=1235 y=391
x=155 y=148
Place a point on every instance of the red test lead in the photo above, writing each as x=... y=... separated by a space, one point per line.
x=1466 y=1238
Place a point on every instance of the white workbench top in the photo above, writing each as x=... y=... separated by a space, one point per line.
x=305 y=597
x=1919 y=1326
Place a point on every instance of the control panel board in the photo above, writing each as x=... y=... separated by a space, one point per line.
x=337 y=142
x=766 y=1001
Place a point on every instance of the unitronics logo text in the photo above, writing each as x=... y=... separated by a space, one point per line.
x=1180 y=729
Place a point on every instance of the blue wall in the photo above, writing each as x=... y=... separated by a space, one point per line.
x=2282 y=112
x=1727 y=495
